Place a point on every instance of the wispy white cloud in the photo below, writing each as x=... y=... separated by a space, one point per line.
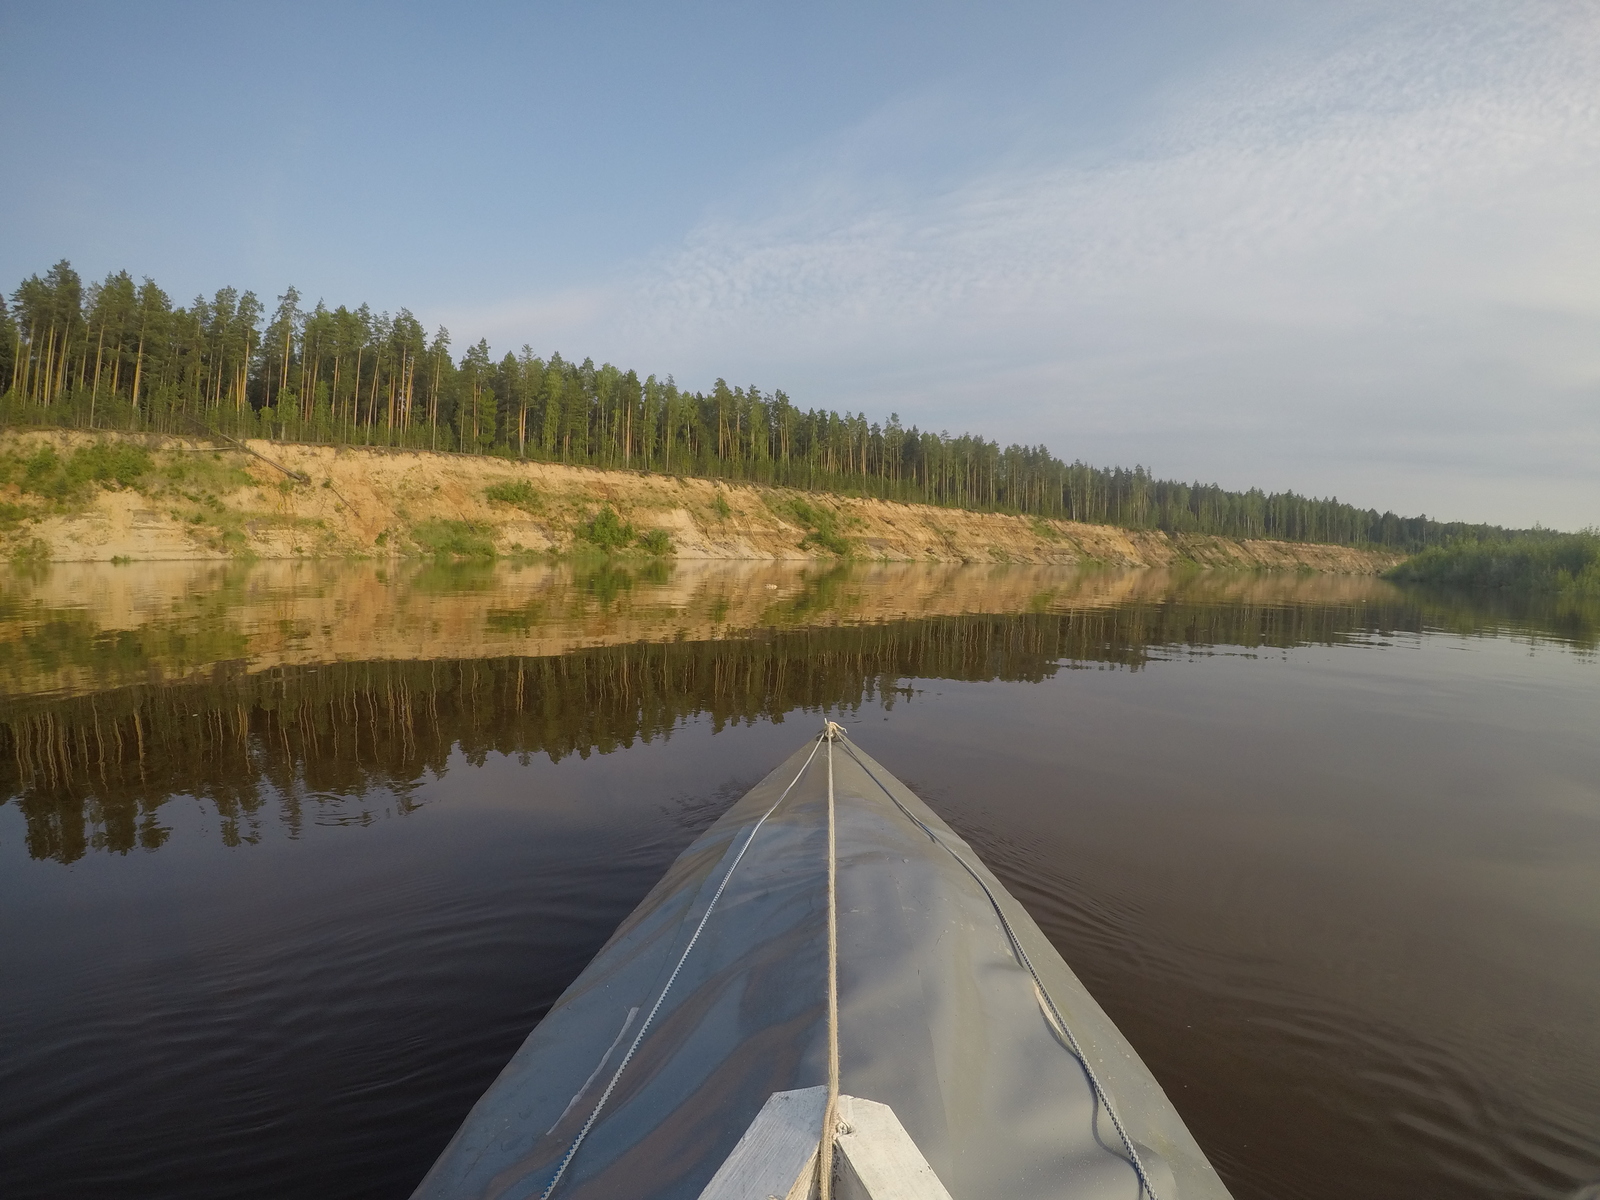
x=1364 y=260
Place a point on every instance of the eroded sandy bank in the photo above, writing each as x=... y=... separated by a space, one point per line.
x=210 y=502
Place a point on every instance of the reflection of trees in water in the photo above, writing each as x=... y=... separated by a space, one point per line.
x=92 y=772
x=1572 y=620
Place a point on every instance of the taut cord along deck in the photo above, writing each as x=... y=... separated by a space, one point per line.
x=572 y=1150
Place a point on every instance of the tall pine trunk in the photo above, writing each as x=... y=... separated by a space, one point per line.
x=433 y=405
x=48 y=367
x=94 y=396
x=16 y=363
x=138 y=376
x=355 y=391
x=283 y=375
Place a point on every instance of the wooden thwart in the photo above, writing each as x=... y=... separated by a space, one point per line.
x=877 y=1160
x=776 y=1159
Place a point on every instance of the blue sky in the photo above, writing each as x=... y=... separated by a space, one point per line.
x=1351 y=249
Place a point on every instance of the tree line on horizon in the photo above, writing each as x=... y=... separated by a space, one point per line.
x=120 y=355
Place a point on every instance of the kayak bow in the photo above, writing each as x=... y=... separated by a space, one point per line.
x=828 y=955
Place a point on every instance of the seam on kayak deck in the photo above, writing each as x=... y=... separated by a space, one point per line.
x=600 y=1066
x=1100 y=1094
x=566 y=1159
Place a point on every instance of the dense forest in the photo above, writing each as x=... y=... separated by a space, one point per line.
x=121 y=355
x=1540 y=561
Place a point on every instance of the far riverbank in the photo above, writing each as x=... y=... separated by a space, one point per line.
x=192 y=499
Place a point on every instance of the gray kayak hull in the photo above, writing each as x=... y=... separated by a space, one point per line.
x=938 y=1019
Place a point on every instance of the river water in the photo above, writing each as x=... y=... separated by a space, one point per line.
x=292 y=856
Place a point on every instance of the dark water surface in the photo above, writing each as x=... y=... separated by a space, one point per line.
x=292 y=858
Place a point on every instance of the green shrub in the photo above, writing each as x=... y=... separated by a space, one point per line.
x=722 y=506
x=823 y=528
x=42 y=474
x=454 y=539
x=657 y=542
x=1563 y=563
x=109 y=462
x=206 y=472
x=518 y=493
x=606 y=531
x=46 y=473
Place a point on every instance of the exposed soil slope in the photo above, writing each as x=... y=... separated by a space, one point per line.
x=209 y=501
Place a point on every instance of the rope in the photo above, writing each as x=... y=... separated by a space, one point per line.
x=1100 y=1093
x=566 y=1159
x=830 y=1113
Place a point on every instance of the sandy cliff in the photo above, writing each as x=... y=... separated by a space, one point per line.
x=207 y=501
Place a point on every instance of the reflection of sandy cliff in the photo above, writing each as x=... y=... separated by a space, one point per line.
x=81 y=627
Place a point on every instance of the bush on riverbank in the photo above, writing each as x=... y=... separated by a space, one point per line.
x=822 y=527
x=608 y=532
x=1562 y=563
x=518 y=493
x=657 y=542
x=454 y=539
x=49 y=475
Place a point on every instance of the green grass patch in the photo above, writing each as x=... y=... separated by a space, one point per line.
x=822 y=526
x=518 y=493
x=66 y=478
x=454 y=539
x=205 y=473
x=1045 y=530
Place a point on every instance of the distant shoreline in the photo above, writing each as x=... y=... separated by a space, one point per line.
x=1540 y=563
